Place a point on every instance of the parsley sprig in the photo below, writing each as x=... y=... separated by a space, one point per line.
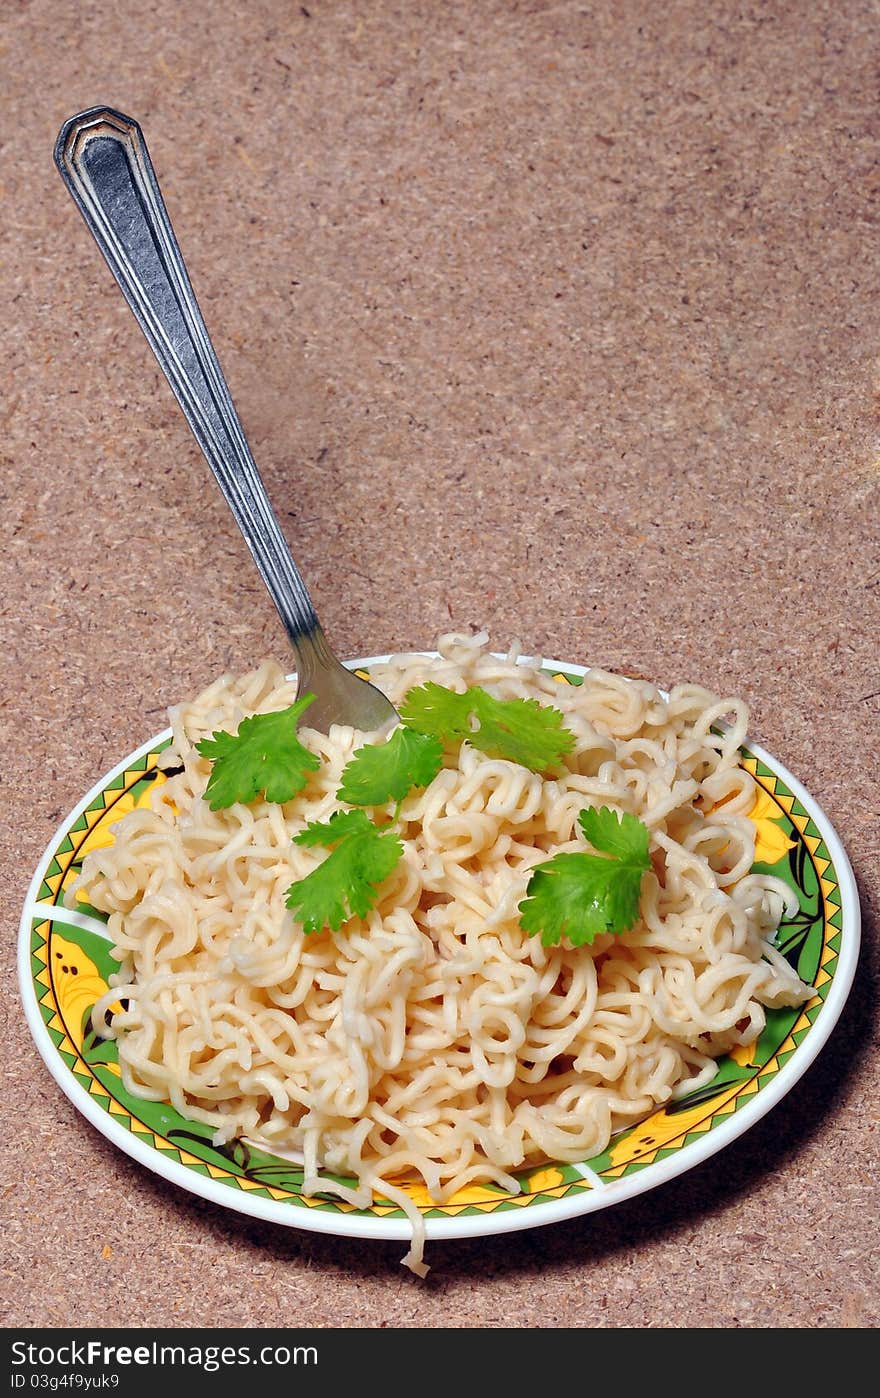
x=519 y=730
x=264 y=758
x=388 y=771
x=344 y=885
x=580 y=895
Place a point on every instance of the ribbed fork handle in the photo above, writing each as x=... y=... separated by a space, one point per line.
x=103 y=159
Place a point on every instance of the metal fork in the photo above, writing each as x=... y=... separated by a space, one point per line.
x=103 y=160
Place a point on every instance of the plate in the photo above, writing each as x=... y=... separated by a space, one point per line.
x=64 y=962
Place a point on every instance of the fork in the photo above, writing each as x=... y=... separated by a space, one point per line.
x=103 y=159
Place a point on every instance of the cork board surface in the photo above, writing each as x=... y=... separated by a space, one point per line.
x=553 y=318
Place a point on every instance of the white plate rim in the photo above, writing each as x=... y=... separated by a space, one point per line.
x=601 y=1195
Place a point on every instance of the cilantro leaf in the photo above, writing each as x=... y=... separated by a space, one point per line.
x=519 y=730
x=381 y=772
x=264 y=757
x=441 y=712
x=580 y=895
x=345 y=884
x=522 y=730
x=623 y=835
x=329 y=832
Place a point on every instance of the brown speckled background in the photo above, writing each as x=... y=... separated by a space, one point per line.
x=554 y=316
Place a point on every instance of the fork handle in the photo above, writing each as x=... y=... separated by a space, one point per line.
x=103 y=159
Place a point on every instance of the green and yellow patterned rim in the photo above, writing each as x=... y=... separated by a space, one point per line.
x=64 y=962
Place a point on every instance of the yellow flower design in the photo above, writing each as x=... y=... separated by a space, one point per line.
x=746 y=1055
x=771 y=842
x=78 y=984
x=101 y=835
x=549 y=1178
x=652 y=1135
x=545 y=1180
x=470 y=1194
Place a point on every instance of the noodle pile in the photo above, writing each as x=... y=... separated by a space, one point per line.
x=433 y=1039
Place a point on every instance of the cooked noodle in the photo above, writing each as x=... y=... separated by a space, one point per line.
x=433 y=1039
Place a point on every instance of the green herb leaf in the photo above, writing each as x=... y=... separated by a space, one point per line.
x=623 y=835
x=433 y=709
x=381 y=772
x=329 y=832
x=579 y=896
x=345 y=884
x=264 y=757
x=519 y=730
